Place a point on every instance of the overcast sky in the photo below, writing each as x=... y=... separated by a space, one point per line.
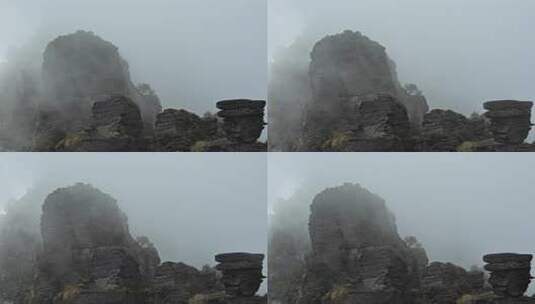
x=193 y=52
x=191 y=205
x=460 y=53
x=460 y=206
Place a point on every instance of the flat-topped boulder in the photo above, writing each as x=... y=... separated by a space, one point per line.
x=242 y=273
x=509 y=273
x=510 y=120
x=243 y=119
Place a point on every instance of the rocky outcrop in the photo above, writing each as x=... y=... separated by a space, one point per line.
x=115 y=126
x=510 y=120
x=243 y=119
x=88 y=253
x=344 y=69
x=357 y=255
x=242 y=273
x=445 y=283
x=178 y=283
x=381 y=123
x=79 y=66
x=509 y=273
x=446 y=131
x=180 y=130
x=89 y=257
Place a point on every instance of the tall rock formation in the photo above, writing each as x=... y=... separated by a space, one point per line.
x=344 y=68
x=357 y=254
x=81 y=66
x=88 y=255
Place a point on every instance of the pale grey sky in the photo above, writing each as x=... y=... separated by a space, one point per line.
x=460 y=53
x=460 y=206
x=191 y=205
x=193 y=52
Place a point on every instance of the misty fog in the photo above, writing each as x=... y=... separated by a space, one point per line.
x=193 y=53
x=459 y=53
x=459 y=206
x=190 y=206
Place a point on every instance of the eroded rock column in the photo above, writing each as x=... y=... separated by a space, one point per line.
x=509 y=273
x=510 y=120
x=243 y=119
x=242 y=273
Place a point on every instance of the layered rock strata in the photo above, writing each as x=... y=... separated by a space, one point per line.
x=510 y=120
x=242 y=273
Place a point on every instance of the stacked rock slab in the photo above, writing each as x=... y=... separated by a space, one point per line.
x=510 y=120
x=243 y=119
x=179 y=130
x=509 y=273
x=242 y=273
x=116 y=126
x=382 y=125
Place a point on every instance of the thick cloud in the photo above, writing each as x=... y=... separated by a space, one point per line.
x=460 y=53
x=460 y=206
x=192 y=52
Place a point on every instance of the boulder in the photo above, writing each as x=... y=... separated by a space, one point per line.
x=243 y=119
x=179 y=130
x=510 y=120
x=242 y=273
x=509 y=273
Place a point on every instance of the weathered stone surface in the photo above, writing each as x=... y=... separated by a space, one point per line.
x=89 y=257
x=357 y=255
x=115 y=126
x=88 y=253
x=179 y=130
x=446 y=131
x=242 y=273
x=509 y=273
x=445 y=283
x=344 y=69
x=510 y=120
x=80 y=66
x=243 y=119
x=178 y=283
x=381 y=123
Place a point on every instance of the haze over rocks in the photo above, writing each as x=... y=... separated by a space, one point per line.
x=57 y=111
x=316 y=105
x=355 y=255
x=85 y=253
